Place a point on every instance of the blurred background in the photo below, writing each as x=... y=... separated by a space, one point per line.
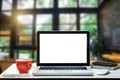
x=21 y=19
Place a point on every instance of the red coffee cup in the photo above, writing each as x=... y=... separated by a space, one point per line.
x=23 y=65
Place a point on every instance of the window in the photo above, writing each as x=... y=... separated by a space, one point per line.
x=67 y=22
x=46 y=15
x=88 y=22
x=44 y=3
x=25 y=4
x=67 y=3
x=7 y=7
x=88 y=3
x=43 y=22
x=24 y=54
x=5 y=37
x=4 y=41
x=74 y=3
x=24 y=30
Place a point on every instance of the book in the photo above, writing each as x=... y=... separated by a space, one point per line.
x=105 y=65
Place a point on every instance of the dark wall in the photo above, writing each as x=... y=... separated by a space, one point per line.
x=110 y=23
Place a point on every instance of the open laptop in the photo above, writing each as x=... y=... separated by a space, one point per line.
x=63 y=53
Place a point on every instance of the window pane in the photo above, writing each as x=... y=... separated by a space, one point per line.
x=44 y=18
x=43 y=27
x=24 y=54
x=67 y=18
x=94 y=43
x=44 y=22
x=88 y=18
x=68 y=27
x=26 y=26
x=44 y=4
x=25 y=4
x=25 y=40
x=67 y=3
x=3 y=53
x=6 y=4
x=25 y=19
x=24 y=29
x=91 y=28
x=24 y=35
x=5 y=36
x=4 y=41
x=88 y=3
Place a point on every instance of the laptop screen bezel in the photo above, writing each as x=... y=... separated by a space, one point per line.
x=62 y=64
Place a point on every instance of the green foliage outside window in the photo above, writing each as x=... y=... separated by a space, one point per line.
x=88 y=3
x=91 y=28
x=44 y=22
x=89 y=23
x=67 y=3
x=44 y=3
x=3 y=42
x=25 y=4
x=44 y=27
x=88 y=18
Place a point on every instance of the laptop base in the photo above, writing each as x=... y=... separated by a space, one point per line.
x=87 y=72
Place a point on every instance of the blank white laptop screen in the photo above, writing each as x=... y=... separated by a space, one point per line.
x=62 y=48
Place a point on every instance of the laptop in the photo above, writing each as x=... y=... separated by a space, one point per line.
x=63 y=53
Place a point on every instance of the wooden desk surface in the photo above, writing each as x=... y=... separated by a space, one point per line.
x=4 y=64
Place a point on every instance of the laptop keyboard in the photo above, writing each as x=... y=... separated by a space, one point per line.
x=63 y=68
